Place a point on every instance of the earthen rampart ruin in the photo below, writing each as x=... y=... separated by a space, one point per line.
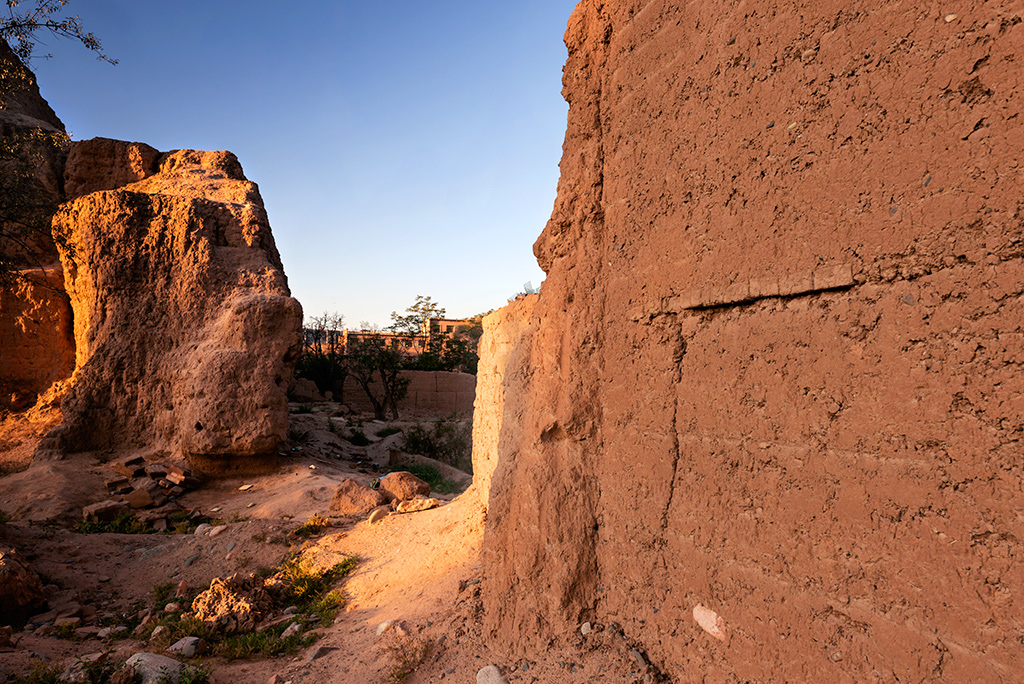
x=766 y=415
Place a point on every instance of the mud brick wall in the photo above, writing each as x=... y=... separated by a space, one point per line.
x=777 y=370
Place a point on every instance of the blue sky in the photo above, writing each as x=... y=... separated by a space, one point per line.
x=401 y=147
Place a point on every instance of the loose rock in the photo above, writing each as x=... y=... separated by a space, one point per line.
x=188 y=647
x=352 y=498
x=490 y=675
x=416 y=505
x=378 y=514
x=402 y=486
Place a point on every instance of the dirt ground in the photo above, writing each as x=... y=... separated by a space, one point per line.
x=421 y=570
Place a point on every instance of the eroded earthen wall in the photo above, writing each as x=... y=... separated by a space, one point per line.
x=429 y=393
x=503 y=333
x=778 y=373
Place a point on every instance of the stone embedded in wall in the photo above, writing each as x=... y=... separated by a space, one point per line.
x=775 y=364
x=185 y=333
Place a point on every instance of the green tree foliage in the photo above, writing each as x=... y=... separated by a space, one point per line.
x=24 y=20
x=423 y=309
x=26 y=205
x=377 y=367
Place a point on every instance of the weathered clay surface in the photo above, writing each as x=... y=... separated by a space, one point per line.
x=776 y=373
x=36 y=337
x=184 y=330
x=503 y=332
x=105 y=164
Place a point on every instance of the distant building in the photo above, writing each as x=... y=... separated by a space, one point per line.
x=432 y=331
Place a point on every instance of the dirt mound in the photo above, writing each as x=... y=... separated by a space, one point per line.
x=232 y=604
x=777 y=352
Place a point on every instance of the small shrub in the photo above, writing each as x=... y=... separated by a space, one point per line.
x=297 y=435
x=326 y=608
x=262 y=644
x=449 y=440
x=125 y=523
x=4 y=518
x=358 y=438
x=41 y=673
x=431 y=476
x=301 y=408
x=312 y=527
x=406 y=654
x=387 y=432
x=306 y=585
x=67 y=632
x=195 y=674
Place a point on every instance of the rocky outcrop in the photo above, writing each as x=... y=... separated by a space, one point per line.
x=770 y=420
x=503 y=333
x=184 y=331
x=21 y=592
x=233 y=604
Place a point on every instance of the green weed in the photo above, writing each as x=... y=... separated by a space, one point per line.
x=125 y=523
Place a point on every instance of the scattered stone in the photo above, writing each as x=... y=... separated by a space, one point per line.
x=156 y=471
x=403 y=486
x=155 y=551
x=151 y=668
x=316 y=653
x=173 y=607
x=245 y=488
x=182 y=590
x=290 y=610
x=384 y=626
x=60 y=623
x=189 y=647
x=116 y=484
x=21 y=592
x=352 y=498
x=638 y=657
x=217 y=530
x=159 y=632
x=378 y=514
x=417 y=505
x=191 y=559
x=709 y=621
x=110 y=631
x=293 y=629
x=6 y=634
x=490 y=675
x=201 y=529
x=585 y=629
x=78 y=671
x=140 y=498
x=950 y=18
x=160 y=525
x=131 y=467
